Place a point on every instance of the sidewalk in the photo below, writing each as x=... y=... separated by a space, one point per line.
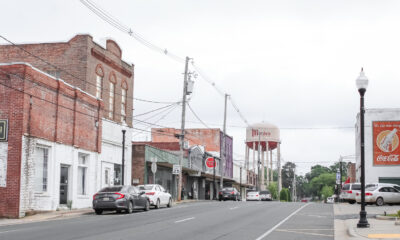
x=64 y=214
x=347 y=216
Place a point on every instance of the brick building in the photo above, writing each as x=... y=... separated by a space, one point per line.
x=96 y=73
x=51 y=124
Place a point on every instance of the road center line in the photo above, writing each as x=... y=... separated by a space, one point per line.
x=184 y=220
x=10 y=231
x=280 y=223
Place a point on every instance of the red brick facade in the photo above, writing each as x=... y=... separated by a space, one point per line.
x=37 y=105
x=77 y=61
x=209 y=138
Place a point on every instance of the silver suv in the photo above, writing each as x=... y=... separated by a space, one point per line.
x=349 y=191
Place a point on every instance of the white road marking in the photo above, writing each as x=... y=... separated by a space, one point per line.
x=10 y=231
x=233 y=208
x=306 y=233
x=184 y=220
x=280 y=223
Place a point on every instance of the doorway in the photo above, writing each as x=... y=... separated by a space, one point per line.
x=64 y=184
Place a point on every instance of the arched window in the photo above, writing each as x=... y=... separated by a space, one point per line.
x=111 y=100
x=99 y=80
x=124 y=87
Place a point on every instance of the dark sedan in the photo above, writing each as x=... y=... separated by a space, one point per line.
x=120 y=198
x=229 y=194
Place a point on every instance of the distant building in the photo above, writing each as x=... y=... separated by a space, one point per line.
x=382 y=146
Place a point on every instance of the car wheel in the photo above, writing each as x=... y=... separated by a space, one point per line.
x=147 y=206
x=158 y=204
x=220 y=199
x=130 y=208
x=169 y=203
x=98 y=211
x=352 y=201
x=379 y=201
x=119 y=211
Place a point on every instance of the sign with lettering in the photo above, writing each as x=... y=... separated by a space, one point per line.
x=176 y=169
x=3 y=130
x=386 y=142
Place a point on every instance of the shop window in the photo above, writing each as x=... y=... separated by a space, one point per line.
x=82 y=174
x=41 y=166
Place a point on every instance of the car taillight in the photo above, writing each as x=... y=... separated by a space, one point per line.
x=120 y=195
x=150 y=193
x=350 y=191
x=357 y=194
x=257 y=195
x=94 y=196
x=220 y=193
x=232 y=192
x=368 y=194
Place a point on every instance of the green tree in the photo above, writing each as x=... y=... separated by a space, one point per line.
x=317 y=183
x=288 y=174
x=273 y=189
x=284 y=195
x=326 y=192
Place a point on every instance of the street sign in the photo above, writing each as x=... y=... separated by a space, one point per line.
x=135 y=181
x=338 y=177
x=210 y=162
x=176 y=169
x=153 y=167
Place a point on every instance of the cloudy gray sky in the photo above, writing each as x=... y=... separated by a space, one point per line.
x=291 y=63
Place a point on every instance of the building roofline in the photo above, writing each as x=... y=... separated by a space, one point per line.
x=50 y=76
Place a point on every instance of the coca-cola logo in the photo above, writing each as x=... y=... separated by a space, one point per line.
x=387 y=140
x=389 y=158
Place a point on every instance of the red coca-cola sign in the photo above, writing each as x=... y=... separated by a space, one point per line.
x=386 y=142
x=210 y=162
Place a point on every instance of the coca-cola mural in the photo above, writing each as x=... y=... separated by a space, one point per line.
x=386 y=142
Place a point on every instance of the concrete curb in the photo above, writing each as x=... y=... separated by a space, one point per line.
x=382 y=217
x=351 y=232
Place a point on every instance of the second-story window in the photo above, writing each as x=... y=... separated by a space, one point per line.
x=123 y=105
x=111 y=101
x=99 y=81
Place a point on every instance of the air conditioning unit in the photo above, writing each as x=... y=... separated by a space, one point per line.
x=185 y=144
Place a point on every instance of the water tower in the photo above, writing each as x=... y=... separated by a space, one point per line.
x=262 y=139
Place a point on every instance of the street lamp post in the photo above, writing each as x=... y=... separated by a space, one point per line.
x=362 y=83
x=123 y=151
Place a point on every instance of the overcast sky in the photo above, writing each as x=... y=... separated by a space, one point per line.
x=290 y=63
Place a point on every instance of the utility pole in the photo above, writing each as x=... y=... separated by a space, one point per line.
x=240 y=183
x=279 y=169
x=340 y=186
x=182 y=135
x=258 y=164
x=223 y=146
x=294 y=197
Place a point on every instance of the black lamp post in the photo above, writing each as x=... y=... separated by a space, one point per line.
x=362 y=83
x=123 y=152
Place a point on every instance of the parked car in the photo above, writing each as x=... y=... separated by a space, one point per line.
x=397 y=187
x=157 y=195
x=380 y=195
x=330 y=200
x=349 y=191
x=304 y=200
x=229 y=193
x=265 y=195
x=253 y=196
x=119 y=198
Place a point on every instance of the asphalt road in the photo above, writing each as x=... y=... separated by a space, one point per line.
x=201 y=220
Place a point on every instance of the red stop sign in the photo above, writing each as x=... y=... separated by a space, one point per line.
x=210 y=162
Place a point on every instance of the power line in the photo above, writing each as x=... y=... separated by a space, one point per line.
x=154 y=110
x=100 y=12
x=196 y=115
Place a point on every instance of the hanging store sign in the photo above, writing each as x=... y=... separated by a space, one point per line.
x=386 y=142
x=3 y=130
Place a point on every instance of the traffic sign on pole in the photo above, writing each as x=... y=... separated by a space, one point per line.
x=176 y=169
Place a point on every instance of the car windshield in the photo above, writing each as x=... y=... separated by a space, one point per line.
x=397 y=188
x=146 y=187
x=112 y=189
x=227 y=189
x=264 y=192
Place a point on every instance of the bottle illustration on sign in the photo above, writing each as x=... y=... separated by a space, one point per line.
x=388 y=143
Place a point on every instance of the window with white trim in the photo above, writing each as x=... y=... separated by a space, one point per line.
x=99 y=84
x=123 y=105
x=111 y=101
x=41 y=165
x=82 y=173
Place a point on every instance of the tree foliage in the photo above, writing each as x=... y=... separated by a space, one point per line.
x=273 y=189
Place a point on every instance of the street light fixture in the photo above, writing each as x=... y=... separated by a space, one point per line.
x=362 y=84
x=123 y=151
